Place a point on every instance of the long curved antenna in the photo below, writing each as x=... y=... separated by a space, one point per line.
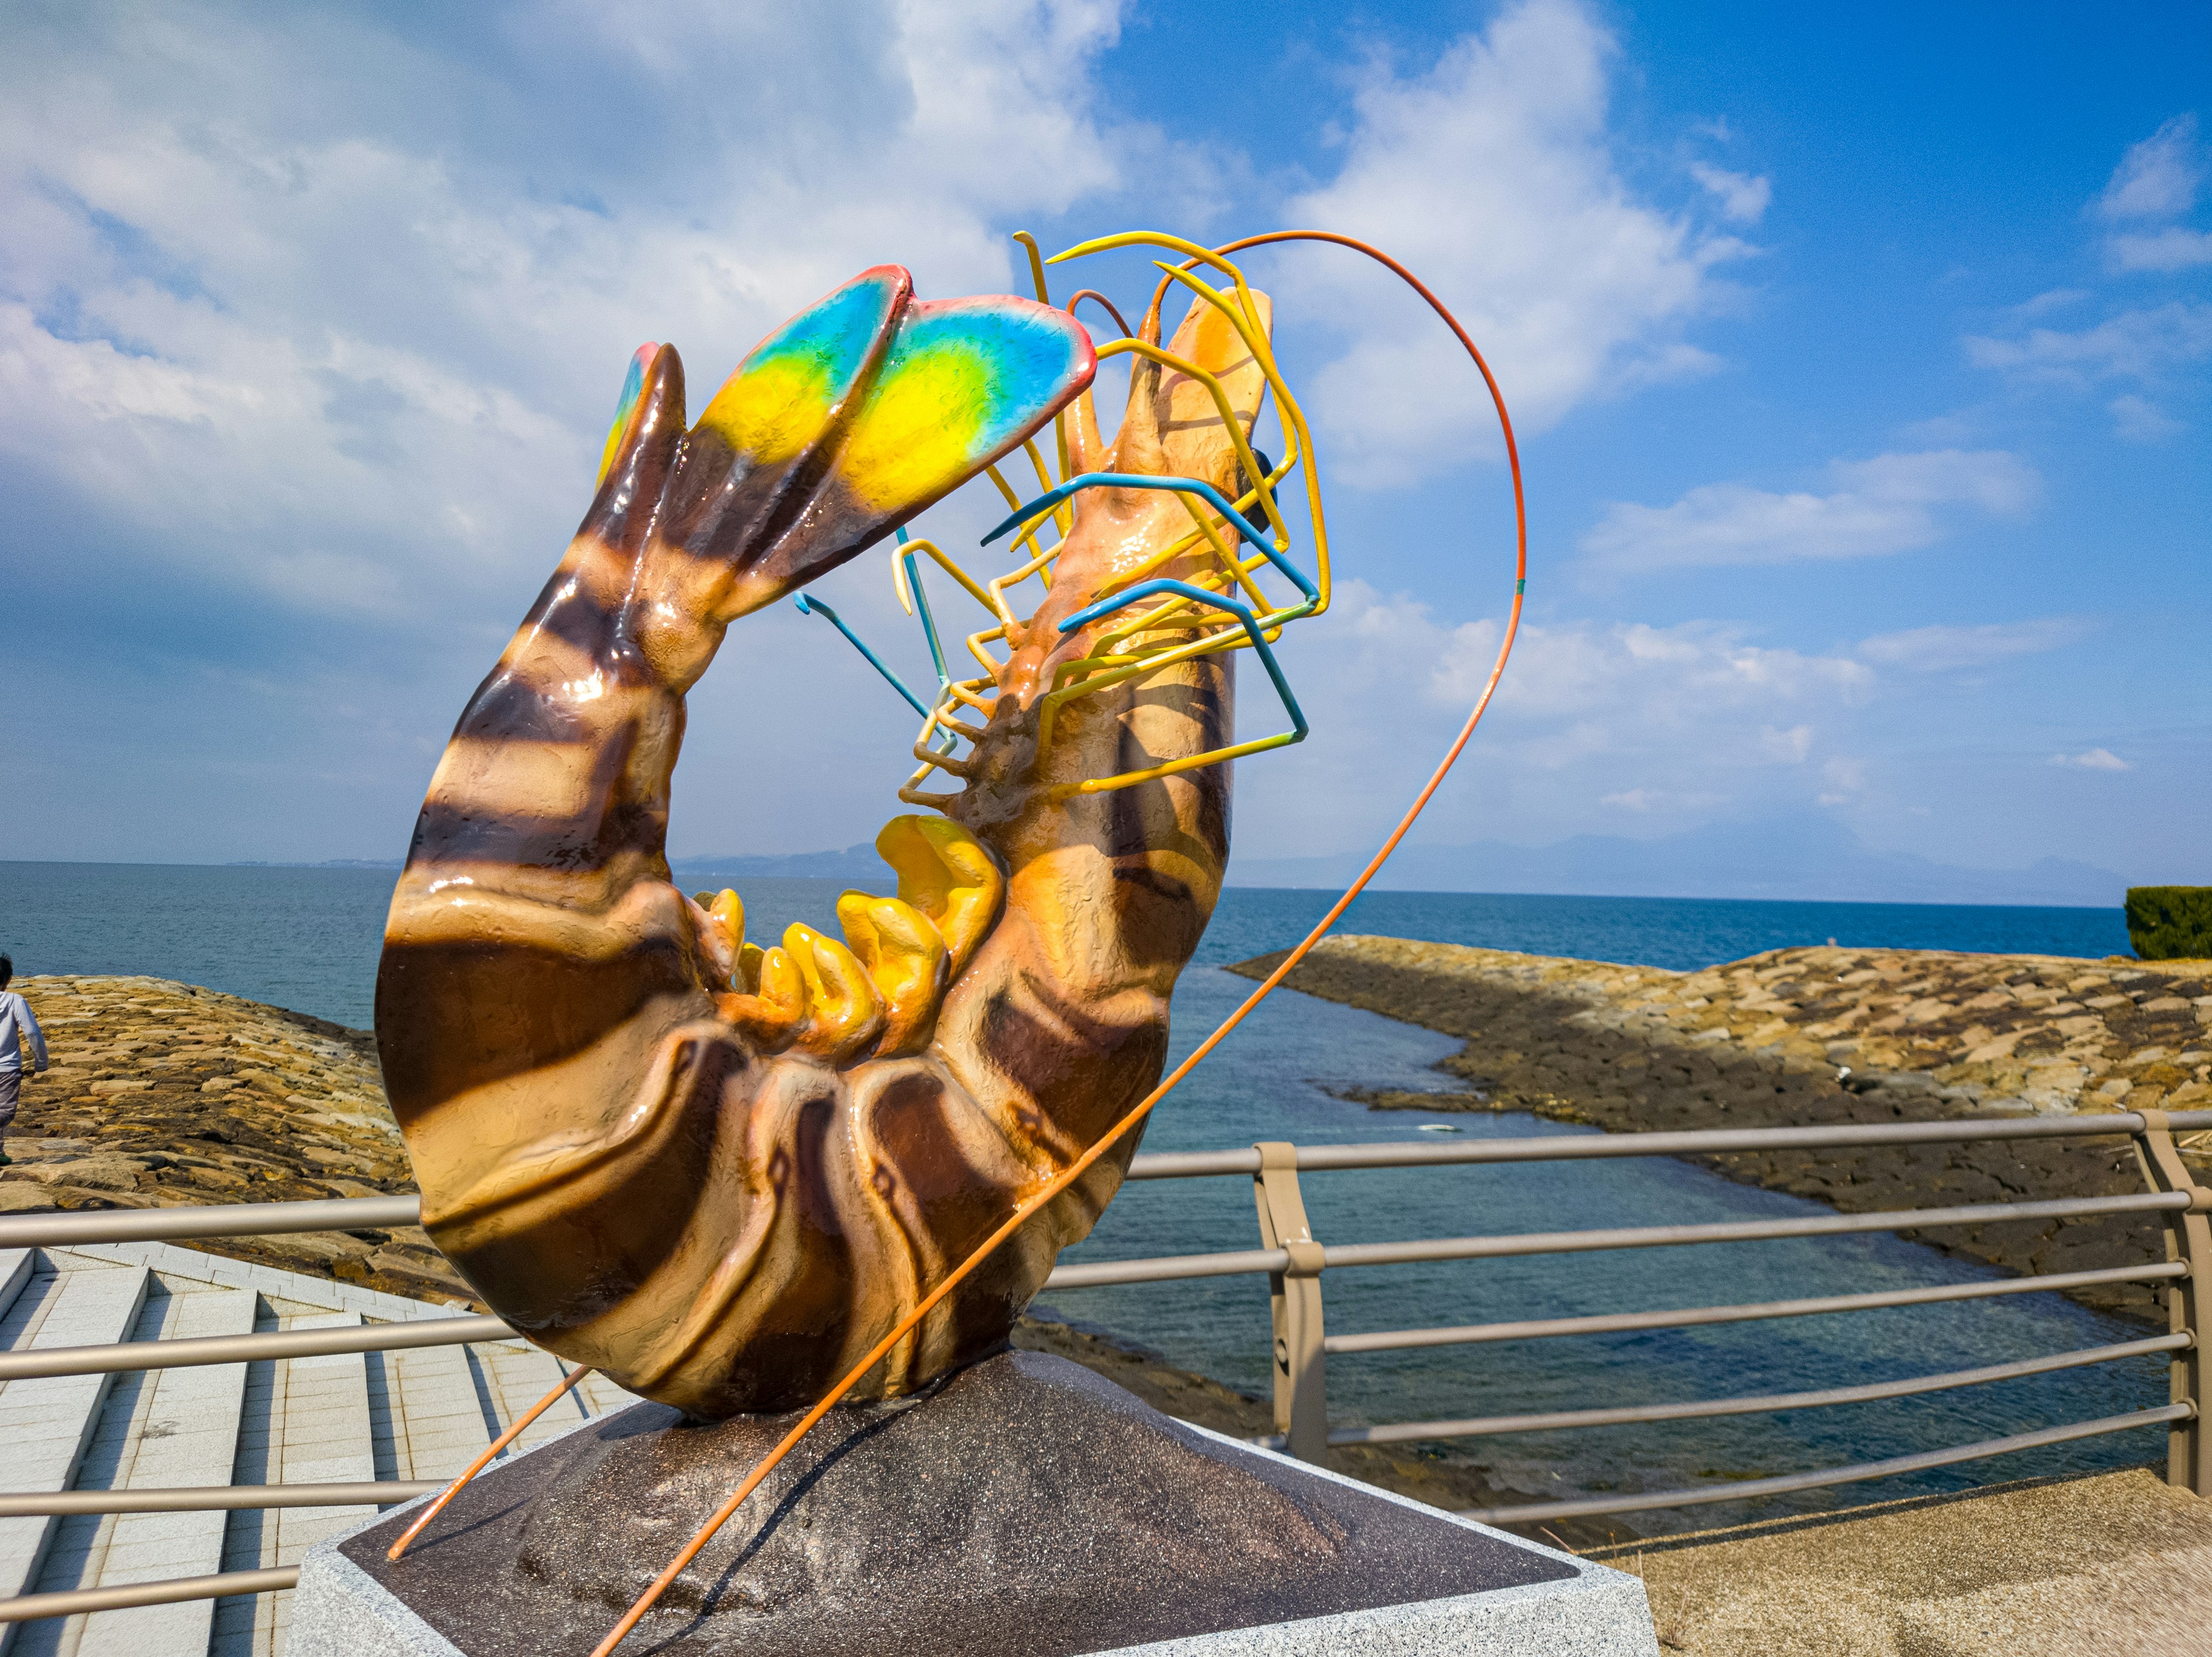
x=1120 y=1130
x=808 y=604
x=485 y=1460
x=1120 y=321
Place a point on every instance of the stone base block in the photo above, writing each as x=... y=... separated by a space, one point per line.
x=1022 y=1506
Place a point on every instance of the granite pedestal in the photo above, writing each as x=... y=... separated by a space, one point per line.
x=1022 y=1506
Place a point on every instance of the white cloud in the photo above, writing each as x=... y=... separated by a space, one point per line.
x=1672 y=723
x=2139 y=420
x=2158 y=178
x=1742 y=197
x=1941 y=649
x=2096 y=760
x=1565 y=675
x=1885 y=505
x=2133 y=344
x=288 y=298
x=2057 y=299
x=2173 y=248
x=1787 y=747
x=1491 y=173
x=1846 y=777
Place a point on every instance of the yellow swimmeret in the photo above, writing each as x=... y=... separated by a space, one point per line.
x=919 y=432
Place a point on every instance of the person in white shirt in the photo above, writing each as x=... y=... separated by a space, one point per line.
x=18 y=1024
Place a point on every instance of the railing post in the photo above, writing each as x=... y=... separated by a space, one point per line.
x=2188 y=1300
x=1294 y=1296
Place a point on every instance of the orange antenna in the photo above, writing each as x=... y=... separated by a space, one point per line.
x=1129 y=1123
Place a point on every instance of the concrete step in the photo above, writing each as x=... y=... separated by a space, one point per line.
x=16 y=1265
x=308 y=1422
x=423 y=1414
x=161 y=1429
x=517 y=1374
x=47 y=1423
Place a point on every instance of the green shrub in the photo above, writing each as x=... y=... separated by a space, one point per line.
x=2171 y=923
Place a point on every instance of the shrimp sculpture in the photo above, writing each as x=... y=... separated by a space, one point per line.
x=720 y=1174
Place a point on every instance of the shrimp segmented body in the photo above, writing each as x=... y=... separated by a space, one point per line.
x=720 y=1172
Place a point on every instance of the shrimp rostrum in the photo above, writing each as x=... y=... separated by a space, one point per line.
x=719 y=1173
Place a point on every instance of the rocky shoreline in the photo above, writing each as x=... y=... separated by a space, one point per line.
x=164 y=1094
x=1807 y=1037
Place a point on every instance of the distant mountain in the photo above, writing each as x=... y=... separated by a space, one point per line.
x=1810 y=859
x=856 y=866
x=326 y=863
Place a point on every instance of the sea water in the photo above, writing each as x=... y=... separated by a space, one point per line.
x=308 y=938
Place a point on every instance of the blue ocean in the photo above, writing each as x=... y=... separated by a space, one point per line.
x=307 y=938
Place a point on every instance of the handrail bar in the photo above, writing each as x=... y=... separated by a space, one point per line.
x=130 y=1356
x=1692 y=1317
x=1242 y=1261
x=1169 y=1268
x=208 y=1220
x=1742 y=1231
x=206 y=1498
x=29 y=1607
x=1551 y=1148
x=350 y=1213
x=1700 y=1408
x=1857 y=1474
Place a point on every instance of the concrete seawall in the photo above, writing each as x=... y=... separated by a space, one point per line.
x=1806 y=1037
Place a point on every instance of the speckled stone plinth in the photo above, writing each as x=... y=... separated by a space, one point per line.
x=1023 y=1505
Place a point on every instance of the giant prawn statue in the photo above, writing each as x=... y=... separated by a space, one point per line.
x=742 y=1179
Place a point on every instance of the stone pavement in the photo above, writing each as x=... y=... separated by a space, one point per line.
x=2117 y=1563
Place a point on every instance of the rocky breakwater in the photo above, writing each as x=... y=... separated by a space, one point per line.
x=163 y=1095
x=1808 y=1037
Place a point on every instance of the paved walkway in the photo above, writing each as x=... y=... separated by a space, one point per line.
x=338 y=1419
x=2117 y=1565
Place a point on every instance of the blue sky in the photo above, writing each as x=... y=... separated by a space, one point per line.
x=1860 y=357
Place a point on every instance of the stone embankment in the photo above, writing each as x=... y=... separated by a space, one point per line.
x=163 y=1094
x=1806 y=1037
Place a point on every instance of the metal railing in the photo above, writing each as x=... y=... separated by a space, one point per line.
x=1293 y=1262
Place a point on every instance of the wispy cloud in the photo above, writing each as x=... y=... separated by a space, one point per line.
x=1493 y=171
x=2133 y=344
x=2174 y=248
x=2139 y=420
x=1945 y=648
x=2157 y=179
x=2057 y=299
x=1891 y=503
x=1742 y=197
x=2094 y=760
x=1675 y=721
